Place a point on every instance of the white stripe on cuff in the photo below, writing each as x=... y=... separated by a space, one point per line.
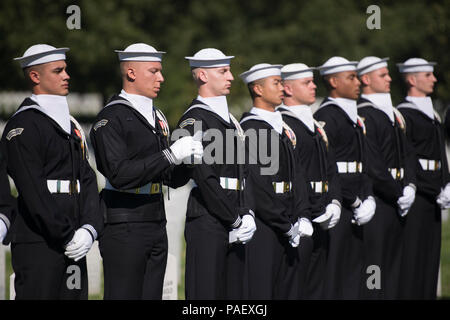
x=91 y=230
x=236 y=223
x=168 y=154
x=5 y=220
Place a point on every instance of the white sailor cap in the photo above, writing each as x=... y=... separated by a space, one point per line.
x=41 y=53
x=140 y=52
x=209 y=58
x=260 y=71
x=371 y=63
x=337 y=64
x=295 y=71
x=416 y=65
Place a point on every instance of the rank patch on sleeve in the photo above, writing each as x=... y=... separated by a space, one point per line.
x=14 y=132
x=187 y=122
x=99 y=124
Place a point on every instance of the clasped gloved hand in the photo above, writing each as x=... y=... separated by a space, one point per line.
x=364 y=212
x=406 y=200
x=305 y=228
x=294 y=238
x=443 y=199
x=186 y=147
x=80 y=244
x=246 y=230
x=330 y=218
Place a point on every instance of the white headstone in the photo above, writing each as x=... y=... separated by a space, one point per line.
x=2 y=272
x=12 y=291
x=94 y=266
x=175 y=203
x=170 y=289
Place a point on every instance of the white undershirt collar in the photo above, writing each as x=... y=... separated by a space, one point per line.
x=141 y=104
x=218 y=104
x=383 y=102
x=273 y=118
x=422 y=104
x=56 y=107
x=349 y=106
x=303 y=113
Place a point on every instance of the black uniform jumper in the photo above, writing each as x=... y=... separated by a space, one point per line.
x=345 y=274
x=57 y=195
x=315 y=156
x=422 y=245
x=8 y=205
x=392 y=167
x=221 y=195
x=134 y=157
x=281 y=198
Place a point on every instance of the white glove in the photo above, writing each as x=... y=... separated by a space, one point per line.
x=364 y=213
x=185 y=147
x=407 y=199
x=294 y=239
x=330 y=218
x=305 y=228
x=443 y=198
x=403 y=212
x=3 y=230
x=80 y=244
x=247 y=228
x=441 y=201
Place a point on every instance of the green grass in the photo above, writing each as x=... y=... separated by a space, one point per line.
x=445 y=260
x=445 y=268
x=181 y=293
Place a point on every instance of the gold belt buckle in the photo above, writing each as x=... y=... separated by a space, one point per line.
x=73 y=187
x=155 y=188
x=325 y=186
x=286 y=187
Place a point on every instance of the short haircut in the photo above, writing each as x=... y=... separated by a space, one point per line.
x=26 y=73
x=326 y=82
x=251 y=87
x=405 y=77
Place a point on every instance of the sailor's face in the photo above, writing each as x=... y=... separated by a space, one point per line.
x=303 y=90
x=347 y=85
x=380 y=81
x=148 y=78
x=424 y=82
x=53 y=78
x=272 y=90
x=219 y=80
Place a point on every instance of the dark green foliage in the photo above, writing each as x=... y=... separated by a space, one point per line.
x=283 y=31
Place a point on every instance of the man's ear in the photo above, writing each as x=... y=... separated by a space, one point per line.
x=365 y=79
x=131 y=73
x=258 y=89
x=202 y=75
x=34 y=76
x=411 y=80
x=333 y=81
x=287 y=89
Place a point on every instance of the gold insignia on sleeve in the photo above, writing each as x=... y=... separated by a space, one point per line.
x=14 y=132
x=99 y=124
x=187 y=122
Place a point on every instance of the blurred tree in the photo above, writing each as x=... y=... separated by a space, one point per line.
x=283 y=32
